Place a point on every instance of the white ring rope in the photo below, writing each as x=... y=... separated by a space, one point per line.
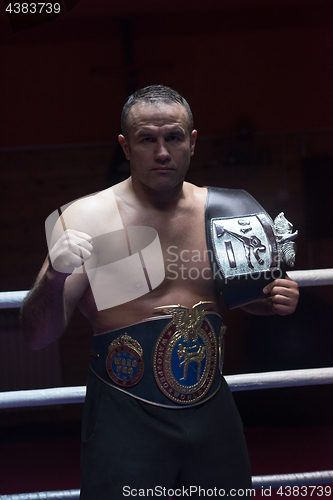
x=242 y=382
x=42 y=397
x=43 y=495
x=315 y=277
x=299 y=478
x=274 y=380
x=9 y=300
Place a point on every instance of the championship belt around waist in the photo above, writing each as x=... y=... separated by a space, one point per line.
x=172 y=361
x=248 y=250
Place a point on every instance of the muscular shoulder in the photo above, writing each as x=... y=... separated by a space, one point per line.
x=195 y=194
x=94 y=214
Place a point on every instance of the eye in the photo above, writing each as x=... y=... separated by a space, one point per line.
x=173 y=138
x=147 y=140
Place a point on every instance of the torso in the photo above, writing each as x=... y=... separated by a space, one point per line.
x=188 y=276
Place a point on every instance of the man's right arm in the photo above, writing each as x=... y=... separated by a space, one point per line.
x=47 y=309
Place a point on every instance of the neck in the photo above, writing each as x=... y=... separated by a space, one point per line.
x=159 y=199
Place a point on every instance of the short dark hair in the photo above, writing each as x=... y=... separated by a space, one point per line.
x=151 y=95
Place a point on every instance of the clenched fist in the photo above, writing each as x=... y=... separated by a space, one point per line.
x=71 y=251
x=283 y=295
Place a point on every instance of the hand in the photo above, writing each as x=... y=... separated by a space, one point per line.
x=283 y=296
x=71 y=251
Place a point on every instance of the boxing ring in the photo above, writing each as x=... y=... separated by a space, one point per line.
x=242 y=382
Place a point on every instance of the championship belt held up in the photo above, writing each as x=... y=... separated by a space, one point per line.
x=248 y=250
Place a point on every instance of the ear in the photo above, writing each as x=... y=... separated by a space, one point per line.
x=124 y=145
x=193 y=140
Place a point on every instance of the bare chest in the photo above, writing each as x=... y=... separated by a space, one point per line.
x=171 y=266
x=182 y=241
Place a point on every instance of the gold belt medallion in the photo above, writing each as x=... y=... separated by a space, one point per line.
x=185 y=354
x=124 y=362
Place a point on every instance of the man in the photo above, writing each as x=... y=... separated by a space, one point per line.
x=157 y=414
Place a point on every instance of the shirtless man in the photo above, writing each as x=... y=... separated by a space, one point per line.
x=128 y=443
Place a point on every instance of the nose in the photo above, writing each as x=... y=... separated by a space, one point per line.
x=162 y=154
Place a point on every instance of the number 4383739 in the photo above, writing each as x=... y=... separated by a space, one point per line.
x=304 y=491
x=33 y=8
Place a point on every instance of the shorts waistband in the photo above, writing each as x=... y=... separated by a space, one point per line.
x=160 y=362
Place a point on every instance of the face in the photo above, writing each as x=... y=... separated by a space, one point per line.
x=159 y=145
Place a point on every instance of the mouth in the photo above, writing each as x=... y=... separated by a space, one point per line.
x=163 y=168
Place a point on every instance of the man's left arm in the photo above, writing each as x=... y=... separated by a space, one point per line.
x=282 y=299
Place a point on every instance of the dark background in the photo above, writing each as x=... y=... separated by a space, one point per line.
x=258 y=75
